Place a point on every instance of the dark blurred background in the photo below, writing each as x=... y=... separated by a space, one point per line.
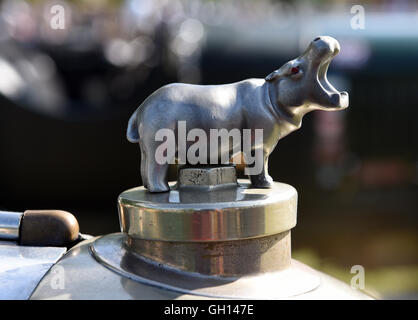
x=66 y=95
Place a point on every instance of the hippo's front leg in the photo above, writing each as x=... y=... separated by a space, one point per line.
x=262 y=180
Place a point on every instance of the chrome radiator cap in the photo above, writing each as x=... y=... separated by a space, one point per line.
x=217 y=241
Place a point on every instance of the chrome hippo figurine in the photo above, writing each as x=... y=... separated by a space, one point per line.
x=275 y=104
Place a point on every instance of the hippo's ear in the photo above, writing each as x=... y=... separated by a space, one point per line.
x=274 y=75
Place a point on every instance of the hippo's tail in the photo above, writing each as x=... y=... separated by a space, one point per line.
x=132 y=133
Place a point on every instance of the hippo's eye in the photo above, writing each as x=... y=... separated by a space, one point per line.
x=294 y=70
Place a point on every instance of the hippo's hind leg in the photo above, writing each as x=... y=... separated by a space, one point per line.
x=155 y=174
x=143 y=166
x=262 y=179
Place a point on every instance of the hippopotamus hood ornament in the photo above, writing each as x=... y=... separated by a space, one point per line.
x=275 y=104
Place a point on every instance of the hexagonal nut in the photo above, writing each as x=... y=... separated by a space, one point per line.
x=209 y=177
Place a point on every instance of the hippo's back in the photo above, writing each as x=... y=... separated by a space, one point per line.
x=201 y=106
x=200 y=95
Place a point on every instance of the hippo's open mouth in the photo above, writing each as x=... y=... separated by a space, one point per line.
x=304 y=82
x=325 y=94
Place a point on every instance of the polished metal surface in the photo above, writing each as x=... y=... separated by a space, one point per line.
x=219 y=215
x=23 y=267
x=9 y=225
x=86 y=279
x=275 y=104
x=117 y=273
x=222 y=259
x=111 y=252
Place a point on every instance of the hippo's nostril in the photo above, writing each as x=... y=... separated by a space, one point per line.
x=317 y=38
